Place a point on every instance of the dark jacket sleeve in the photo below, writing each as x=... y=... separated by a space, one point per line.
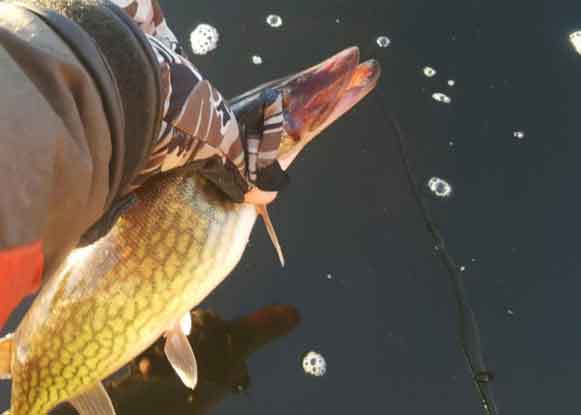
x=55 y=148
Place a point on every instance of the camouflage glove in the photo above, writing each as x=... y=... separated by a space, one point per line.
x=260 y=120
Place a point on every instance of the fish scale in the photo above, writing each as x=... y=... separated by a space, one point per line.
x=162 y=258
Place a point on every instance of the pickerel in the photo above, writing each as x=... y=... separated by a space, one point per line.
x=116 y=297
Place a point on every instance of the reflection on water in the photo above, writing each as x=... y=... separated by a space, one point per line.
x=149 y=385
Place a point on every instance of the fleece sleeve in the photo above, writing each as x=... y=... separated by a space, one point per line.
x=55 y=149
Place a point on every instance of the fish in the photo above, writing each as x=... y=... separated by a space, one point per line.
x=111 y=300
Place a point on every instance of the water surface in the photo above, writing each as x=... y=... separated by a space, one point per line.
x=361 y=268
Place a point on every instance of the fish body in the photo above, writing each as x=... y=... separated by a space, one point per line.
x=113 y=299
x=162 y=258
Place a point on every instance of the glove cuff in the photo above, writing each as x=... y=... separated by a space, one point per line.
x=272 y=178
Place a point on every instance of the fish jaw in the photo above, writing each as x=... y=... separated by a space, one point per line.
x=310 y=96
x=314 y=98
x=343 y=93
x=161 y=260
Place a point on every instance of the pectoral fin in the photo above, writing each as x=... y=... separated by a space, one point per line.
x=96 y=401
x=180 y=354
x=262 y=211
x=5 y=356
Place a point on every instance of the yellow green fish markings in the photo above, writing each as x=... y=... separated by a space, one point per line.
x=161 y=259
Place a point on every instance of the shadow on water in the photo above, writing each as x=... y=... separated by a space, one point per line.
x=148 y=385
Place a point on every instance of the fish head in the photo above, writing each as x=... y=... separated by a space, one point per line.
x=314 y=98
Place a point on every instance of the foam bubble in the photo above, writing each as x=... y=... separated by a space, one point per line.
x=575 y=39
x=429 y=71
x=274 y=20
x=204 y=38
x=439 y=187
x=383 y=41
x=438 y=96
x=314 y=364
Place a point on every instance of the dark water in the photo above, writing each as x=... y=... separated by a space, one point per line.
x=386 y=319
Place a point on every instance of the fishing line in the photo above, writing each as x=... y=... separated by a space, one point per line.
x=468 y=332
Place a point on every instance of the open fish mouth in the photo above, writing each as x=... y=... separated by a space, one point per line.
x=315 y=98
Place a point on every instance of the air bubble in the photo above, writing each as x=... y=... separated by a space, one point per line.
x=438 y=96
x=204 y=38
x=439 y=187
x=519 y=134
x=383 y=41
x=274 y=20
x=257 y=59
x=314 y=364
x=429 y=71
